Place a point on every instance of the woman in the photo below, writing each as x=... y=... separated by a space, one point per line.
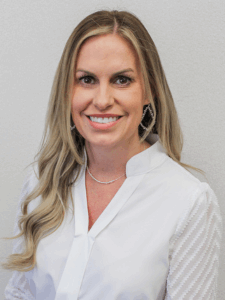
x=108 y=210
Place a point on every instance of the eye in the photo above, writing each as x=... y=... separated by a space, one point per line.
x=86 y=79
x=123 y=80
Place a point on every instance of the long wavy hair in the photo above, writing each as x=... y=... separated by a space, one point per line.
x=60 y=157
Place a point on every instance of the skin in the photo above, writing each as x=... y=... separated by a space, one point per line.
x=102 y=92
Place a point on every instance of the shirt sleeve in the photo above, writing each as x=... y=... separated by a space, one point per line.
x=195 y=249
x=18 y=287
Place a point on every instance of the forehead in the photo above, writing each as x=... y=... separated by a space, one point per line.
x=111 y=51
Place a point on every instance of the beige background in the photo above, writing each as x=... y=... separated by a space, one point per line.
x=190 y=38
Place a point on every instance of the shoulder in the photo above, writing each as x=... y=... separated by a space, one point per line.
x=195 y=200
x=174 y=178
x=176 y=174
x=200 y=218
x=177 y=187
x=186 y=183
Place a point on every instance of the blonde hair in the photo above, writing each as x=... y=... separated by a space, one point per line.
x=60 y=157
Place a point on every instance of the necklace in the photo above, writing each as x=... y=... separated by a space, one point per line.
x=103 y=181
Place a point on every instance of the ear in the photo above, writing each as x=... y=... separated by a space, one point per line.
x=146 y=101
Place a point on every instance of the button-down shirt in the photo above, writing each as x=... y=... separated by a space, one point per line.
x=158 y=238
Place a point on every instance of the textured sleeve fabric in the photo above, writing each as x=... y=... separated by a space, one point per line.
x=195 y=248
x=18 y=287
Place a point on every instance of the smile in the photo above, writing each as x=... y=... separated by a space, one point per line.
x=103 y=120
x=100 y=123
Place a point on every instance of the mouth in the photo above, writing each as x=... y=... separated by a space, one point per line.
x=104 y=120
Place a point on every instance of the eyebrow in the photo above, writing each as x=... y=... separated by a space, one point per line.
x=117 y=73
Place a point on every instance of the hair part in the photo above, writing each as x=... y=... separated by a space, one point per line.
x=60 y=156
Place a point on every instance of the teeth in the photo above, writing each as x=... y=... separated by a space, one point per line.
x=103 y=120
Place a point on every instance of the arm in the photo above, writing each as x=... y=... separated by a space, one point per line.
x=195 y=247
x=18 y=287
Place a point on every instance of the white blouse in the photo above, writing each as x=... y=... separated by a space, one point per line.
x=158 y=239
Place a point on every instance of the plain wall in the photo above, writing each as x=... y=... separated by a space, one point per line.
x=190 y=39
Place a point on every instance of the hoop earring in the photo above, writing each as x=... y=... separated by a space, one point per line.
x=148 y=108
x=73 y=127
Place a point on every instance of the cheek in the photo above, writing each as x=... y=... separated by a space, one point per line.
x=135 y=104
x=75 y=107
x=78 y=103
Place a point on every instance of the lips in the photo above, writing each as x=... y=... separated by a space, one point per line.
x=104 y=115
x=104 y=118
x=103 y=121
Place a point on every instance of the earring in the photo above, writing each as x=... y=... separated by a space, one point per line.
x=72 y=128
x=148 y=108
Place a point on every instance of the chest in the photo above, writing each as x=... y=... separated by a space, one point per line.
x=99 y=196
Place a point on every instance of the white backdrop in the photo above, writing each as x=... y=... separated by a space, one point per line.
x=190 y=39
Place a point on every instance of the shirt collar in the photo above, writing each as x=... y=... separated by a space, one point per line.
x=144 y=161
x=148 y=159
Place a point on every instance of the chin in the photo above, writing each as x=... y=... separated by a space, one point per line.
x=103 y=142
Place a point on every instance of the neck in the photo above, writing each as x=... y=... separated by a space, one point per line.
x=107 y=163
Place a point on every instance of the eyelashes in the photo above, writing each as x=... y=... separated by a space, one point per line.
x=86 y=79
x=90 y=80
x=126 y=78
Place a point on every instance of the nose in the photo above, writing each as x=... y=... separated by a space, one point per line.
x=103 y=97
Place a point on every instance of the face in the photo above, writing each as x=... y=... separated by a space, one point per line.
x=107 y=103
